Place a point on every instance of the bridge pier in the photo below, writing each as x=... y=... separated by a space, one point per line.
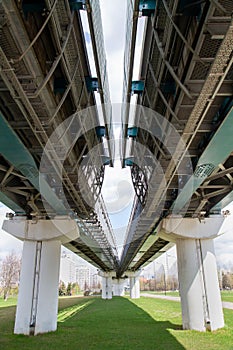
x=119 y=287
x=106 y=287
x=197 y=270
x=39 y=277
x=199 y=287
x=106 y=284
x=38 y=293
x=134 y=284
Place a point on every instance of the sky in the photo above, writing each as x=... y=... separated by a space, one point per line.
x=8 y=243
x=117 y=188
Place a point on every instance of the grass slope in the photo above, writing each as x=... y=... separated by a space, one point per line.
x=96 y=324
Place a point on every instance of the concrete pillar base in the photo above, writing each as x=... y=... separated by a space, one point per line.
x=106 y=287
x=197 y=270
x=199 y=287
x=119 y=287
x=38 y=292
x=134 y=284
x=107 y=284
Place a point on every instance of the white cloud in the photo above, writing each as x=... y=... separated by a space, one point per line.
x=117 y=189
x=8 y=243
x=114 y=17
x=114 y=21
x=224 y=243
x=115 y=75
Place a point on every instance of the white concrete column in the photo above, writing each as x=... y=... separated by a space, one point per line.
x=134 y=285
x=38 y=292
x=197 y=270
x=107 y=287
x=39 y=278
x=118 y=287
x=107 y=283
x=104 y=283
x=199 y=287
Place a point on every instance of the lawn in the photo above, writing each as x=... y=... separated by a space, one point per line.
x=170 y=293
x=95 y=324
x=11 y=301
x=225 y=295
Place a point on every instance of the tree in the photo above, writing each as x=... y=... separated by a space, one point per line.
x=68 y=289
x=75 y=289
x=143 y=283
x=9 y=273
x=86 y=287
x=62 y=288
x=227 y=281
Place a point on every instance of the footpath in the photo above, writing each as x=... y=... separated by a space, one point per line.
x=225 y=304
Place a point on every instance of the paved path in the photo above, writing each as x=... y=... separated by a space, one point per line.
x=225 y=304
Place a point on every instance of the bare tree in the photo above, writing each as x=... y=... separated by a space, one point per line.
x=227 y=280
x=86 y=287
x=9 y=273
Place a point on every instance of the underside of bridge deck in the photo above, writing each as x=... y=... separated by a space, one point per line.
x=177 y=139
x=180 y=155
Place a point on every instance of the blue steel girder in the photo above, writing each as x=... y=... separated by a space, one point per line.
x=11 y=204
x=217 y=151
x=14 y=151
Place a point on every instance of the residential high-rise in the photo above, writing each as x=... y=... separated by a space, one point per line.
x=83 y=275
x=67 y=268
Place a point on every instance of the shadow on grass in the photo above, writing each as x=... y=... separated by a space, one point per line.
x=68 y=312
x=118 y=324
x=97 y=324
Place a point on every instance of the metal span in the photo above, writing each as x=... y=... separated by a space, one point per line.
x=186 y=77
x=180 y=164
x=46 y=78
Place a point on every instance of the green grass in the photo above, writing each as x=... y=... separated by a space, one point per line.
x=227 y=295
x=11 y=301
x=169 y=312
x=170 y=293
x=117 y=324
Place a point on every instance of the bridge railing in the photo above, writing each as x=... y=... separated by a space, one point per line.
x=96 y=31
x=129 y=51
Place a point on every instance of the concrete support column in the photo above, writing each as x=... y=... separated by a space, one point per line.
x=38 y=293
x=197 y=270
x=199 y=287
x=119 y=287
x=134 y=285
x=107 y=286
